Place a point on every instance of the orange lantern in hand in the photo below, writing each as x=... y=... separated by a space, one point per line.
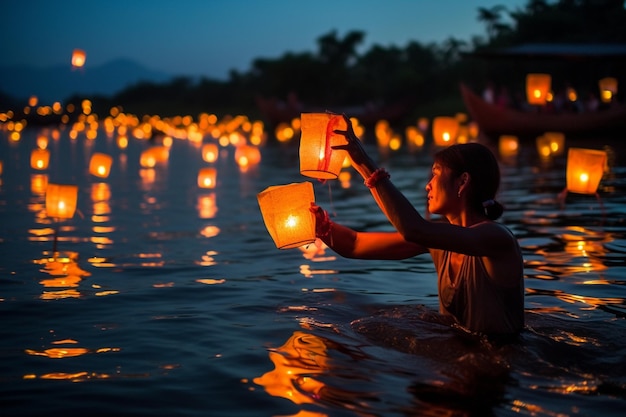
x=317 y=158
x=78 y=58
x=207 y=177
x=39 y=158
x=100 y=165
x=585 y=168
x=537 y=88
x=445 y=130
x=287 y=215
x=61 y=200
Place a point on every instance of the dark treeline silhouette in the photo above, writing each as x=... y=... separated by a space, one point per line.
x=426 y=75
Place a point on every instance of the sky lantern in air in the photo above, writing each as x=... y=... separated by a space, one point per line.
x=100 y=165
x=78 y=58
x=445 y=130
x=317 y=158
x=287 y=215
x=537 y=88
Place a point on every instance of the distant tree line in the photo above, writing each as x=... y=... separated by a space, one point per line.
x=426 y=74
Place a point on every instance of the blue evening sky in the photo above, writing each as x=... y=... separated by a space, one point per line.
x=211 y=37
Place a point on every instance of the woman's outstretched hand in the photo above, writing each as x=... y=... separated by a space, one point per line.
x=322 y=220
x=354 y=147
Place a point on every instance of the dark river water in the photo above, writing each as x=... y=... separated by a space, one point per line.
x=166 y=299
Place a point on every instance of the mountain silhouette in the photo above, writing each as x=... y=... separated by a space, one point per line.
x=61 y=82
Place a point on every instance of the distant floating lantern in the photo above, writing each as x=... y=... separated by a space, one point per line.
x=508 y=145
x=543 y=147
x=608 y=89
x=39 y=159
x=585 y=168
x=150 y=156
x=210 y=152
x=78 y=58
x=317 y=158
x=247 y=155
x=445 y=130
x=61 y=200
x=537 y=88
x=207 y=177
x=556 y=142
x=100 y=165
x=287 y=215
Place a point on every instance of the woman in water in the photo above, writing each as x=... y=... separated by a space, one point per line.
x=478 y=261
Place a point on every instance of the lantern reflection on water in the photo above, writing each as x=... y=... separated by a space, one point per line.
x=537 y=88
x=287 y=215
x=585 y=168
x=317 y=158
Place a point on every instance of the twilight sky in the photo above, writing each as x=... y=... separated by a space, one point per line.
x=211 y=37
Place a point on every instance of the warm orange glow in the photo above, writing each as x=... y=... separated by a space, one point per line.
x=556 y=142
x=445 y=130
x=295 y=365
x=508 y=145
x=287 y=215
x=207 y=177
x=100 y=165
x=210 y=152
x=39 y=159
x=585 y=168
x=151 y=156
x=608 y=89
x=247 y=155
x=537 y=88
x=78 y=58
x=61 y=200
x=317 y=158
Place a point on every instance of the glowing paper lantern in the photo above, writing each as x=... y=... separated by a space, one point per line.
x=608 y=89
x=508 y=145
x=445 y=130
x=61 y=200
x=287 y=215
x=247 y=155
x=207 y=177
x=317 y=158
x=39 y=158
x=585 y=168
x=537 y=88
x=78 y=58
x=543 y=147
x=210 y=152
x=556 y=142
x=100 y=165
x=150 y=156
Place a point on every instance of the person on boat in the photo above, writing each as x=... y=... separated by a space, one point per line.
x=478 y=260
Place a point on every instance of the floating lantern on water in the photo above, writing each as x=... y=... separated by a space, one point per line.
x=210 y=152
x=150 y=156
x=445 y=130
x=287 y=215
x=608 y=89
x=585 y=168
x=207 y=177
x=537 y=88
x=247 y=155
x=39 y=159
x=100 y=165
x=543 y=147
x=556 y=142
x=61 y=200
x=78 y=58
x=508 y=145
x=317 y=158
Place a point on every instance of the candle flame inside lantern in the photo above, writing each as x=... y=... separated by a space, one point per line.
x=585 y=168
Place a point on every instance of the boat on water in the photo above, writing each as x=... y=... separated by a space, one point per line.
x=494 y=120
